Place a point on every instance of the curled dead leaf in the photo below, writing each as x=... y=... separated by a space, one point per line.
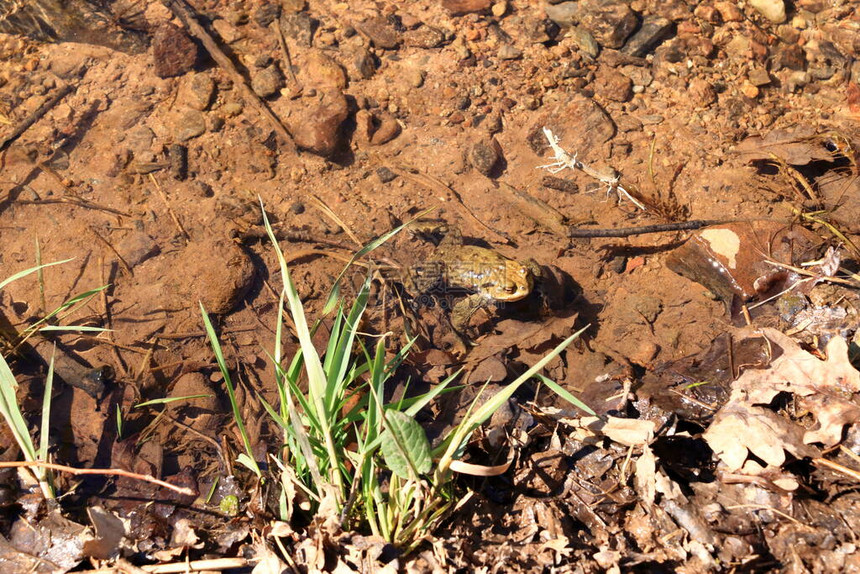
x=827 y=389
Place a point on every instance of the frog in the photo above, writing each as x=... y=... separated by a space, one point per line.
x=488 y=277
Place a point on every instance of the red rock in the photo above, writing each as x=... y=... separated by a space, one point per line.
x=388 y=129
x=316 y=128
x=173 y=51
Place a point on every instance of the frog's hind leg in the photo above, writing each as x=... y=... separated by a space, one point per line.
x=463 y=311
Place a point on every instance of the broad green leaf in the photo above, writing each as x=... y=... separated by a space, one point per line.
x=404 y=446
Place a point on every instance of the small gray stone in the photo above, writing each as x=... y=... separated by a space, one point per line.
x=425 y=37
x=140 y=139
x=563 y=13
x=415 y=77
x=198 y=92
x=583 y=40
x=365 y=63
x=233 y=109
x=759 y=77
x=385 y=175
x=190 y=125
x=267 y=13
x=508 y=52
x=267 y=82
x=298 y=26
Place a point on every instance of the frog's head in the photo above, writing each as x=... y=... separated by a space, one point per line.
x=516 y=284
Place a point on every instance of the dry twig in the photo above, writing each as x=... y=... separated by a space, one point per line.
x=100 y=471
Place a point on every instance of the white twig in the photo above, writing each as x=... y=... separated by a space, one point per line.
x=564 y=160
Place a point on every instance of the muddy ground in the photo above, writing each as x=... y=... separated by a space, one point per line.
x=147 y=165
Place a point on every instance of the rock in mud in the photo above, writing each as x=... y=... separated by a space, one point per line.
x=389 y=128
x=610 y=22
x=137 y=247
x=197 y=92
x=267 y=82
x=425 y=37
x=654 y=30
x=190 y=125
x=579 y=123
x=315 y=126
x=484 y=156
x=380 y=31
x=213 y=271
x=173 y=51
x=773 y=10
x=460 y=7
x=201 y=411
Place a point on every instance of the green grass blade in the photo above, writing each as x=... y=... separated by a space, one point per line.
x=334 y=295
x=35 y=269
x=313 y=366
x=46 y=411
x=237 y=416
x=168 y=400
x=565 y=394
x=11 y=412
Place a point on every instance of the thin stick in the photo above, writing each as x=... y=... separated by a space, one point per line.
x=327 y=211
x=101 y=471
x=186 y=14
x=837 y=467
x=108 y=318
x=295 y=87
x=643 y=229
x=765 y=507
x=74 y=201
x=125 y=266
x=35 y=116
x=173 y=216
x=178 y=567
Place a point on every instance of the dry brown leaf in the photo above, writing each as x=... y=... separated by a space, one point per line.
x=645 y=478
x=797 y=146
x=827 y=388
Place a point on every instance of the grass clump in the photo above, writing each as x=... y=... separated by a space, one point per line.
x=352 y=459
